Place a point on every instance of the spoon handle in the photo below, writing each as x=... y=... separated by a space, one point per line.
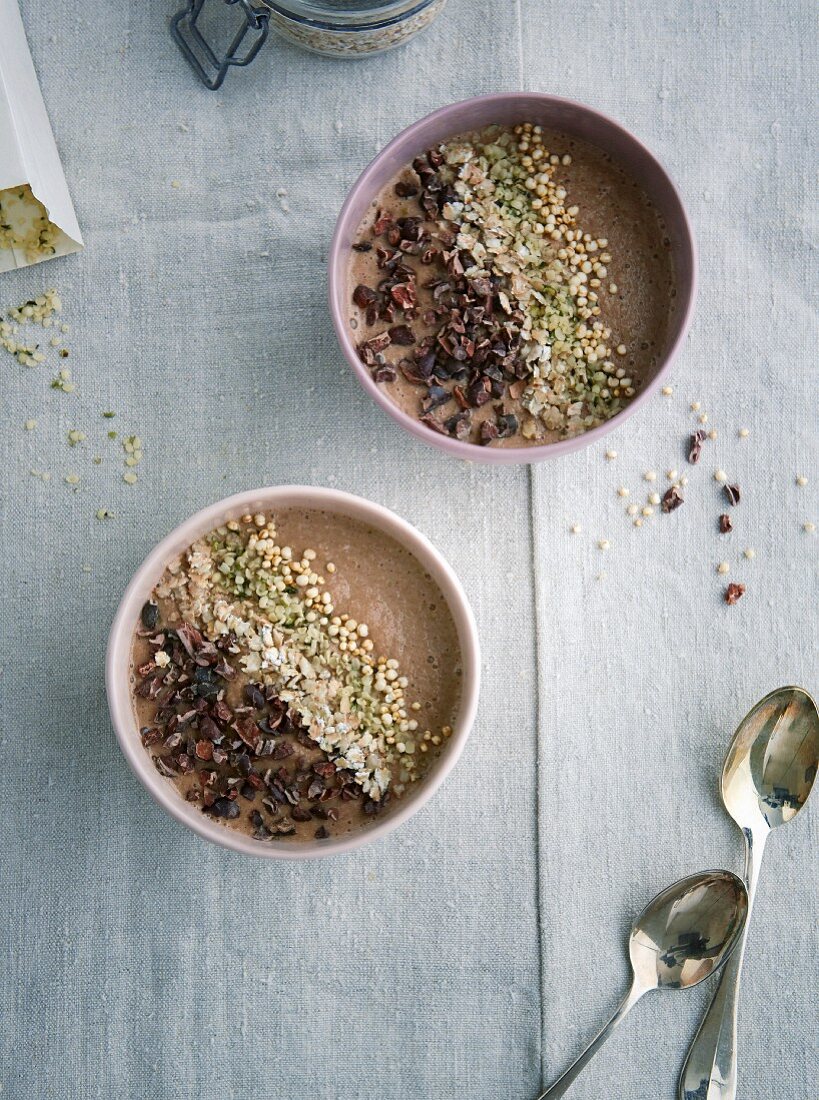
x=561 y=1086
x=710 y=1069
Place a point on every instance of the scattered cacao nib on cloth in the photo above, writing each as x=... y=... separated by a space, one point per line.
x=695 y=447
x=734 y=592
x=672 y=499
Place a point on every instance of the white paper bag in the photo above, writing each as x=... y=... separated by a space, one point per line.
x=37 y=219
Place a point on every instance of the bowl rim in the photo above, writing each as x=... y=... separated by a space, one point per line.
x=118 y=656
x=474 y=452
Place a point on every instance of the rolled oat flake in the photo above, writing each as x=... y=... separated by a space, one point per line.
x=335 y=28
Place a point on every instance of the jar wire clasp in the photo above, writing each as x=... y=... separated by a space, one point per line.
x=209 y=65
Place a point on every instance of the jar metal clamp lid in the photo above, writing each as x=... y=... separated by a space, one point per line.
x=212 y=67
x=335 y=28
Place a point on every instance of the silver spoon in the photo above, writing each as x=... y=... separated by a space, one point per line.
x=766 y=779
x=680 y=938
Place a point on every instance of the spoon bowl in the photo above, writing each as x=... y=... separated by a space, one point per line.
x=681 y=937
x=688 y=930
x=771 y=765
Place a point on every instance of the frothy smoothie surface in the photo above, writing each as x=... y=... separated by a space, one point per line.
x=512 y=287
x=295 y=675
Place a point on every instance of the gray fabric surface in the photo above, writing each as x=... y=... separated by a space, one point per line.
x=477 y=948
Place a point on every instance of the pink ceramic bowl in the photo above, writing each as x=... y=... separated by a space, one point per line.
x=552 y=112
x=118 y=662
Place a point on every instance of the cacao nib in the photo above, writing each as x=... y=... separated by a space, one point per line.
x=672 y=499
x=404 y=295
x=206 y=686
x=732 y=493
x=368 y=350
x=384 y=373
x=255 y=696
x=695 y=447
x=488 y=431
x=207 y=654
x=734 y=592
x=149 y=615
x=224 y=807
x=479 y=391
x=190 y=637
x=248 y=731
x=364 y=296
x=459 y=425
x=315 y=789
x=209 y=729
x=436 y=396
x=507 y=425
x=150 y=687
x=173 y=740
x=382 y=223
x=725 y=524
x=402 y=335
x=222 y=712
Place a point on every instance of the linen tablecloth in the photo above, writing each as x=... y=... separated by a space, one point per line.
x=472 y=952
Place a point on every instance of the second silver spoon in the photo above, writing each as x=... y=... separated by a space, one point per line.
x=679 y=939
x=767 y=776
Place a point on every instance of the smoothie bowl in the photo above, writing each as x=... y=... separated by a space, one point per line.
x=293 y=671
x=512 y=277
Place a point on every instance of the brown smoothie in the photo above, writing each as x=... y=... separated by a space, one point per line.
x=456 y=334
x=295 y=676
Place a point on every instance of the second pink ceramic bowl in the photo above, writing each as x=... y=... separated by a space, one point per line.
x=510 y=108
x=118 y=663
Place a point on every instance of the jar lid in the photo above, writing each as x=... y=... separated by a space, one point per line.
x=346 y=10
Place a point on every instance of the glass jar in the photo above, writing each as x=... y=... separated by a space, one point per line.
x=335 y=28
